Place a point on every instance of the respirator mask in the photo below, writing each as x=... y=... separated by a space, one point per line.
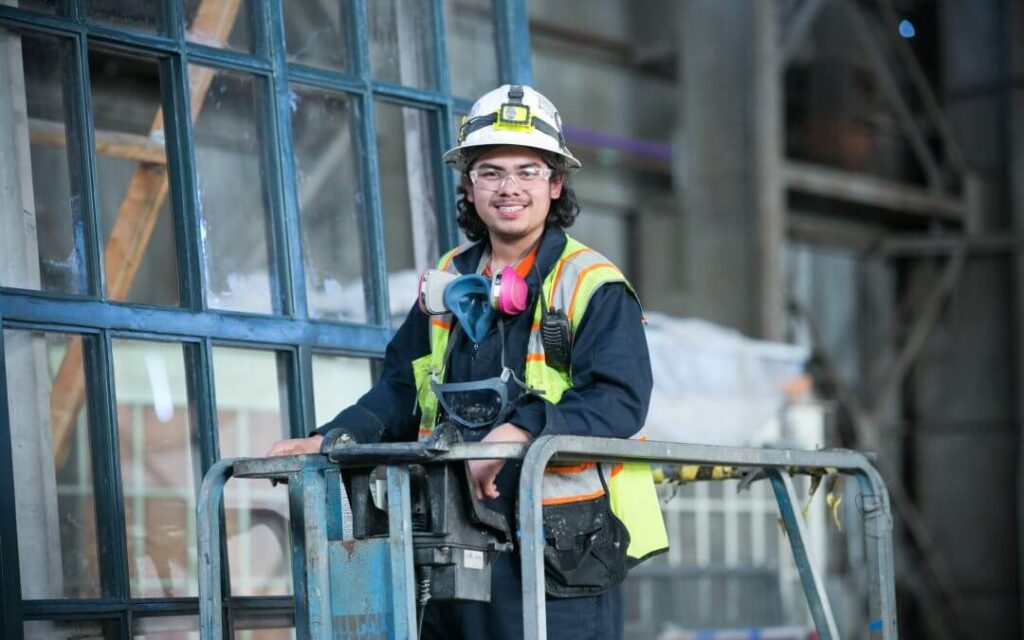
x=473 y=299
x=476 y=302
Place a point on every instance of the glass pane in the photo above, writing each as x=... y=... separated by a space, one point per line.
x=337 y=383
x=142 y=16
x=405 y=142
x=218 y=23
x=265 y=634
x=39 y=204
x=79 y=630
x=231 y=184
x=456 y=122
x=472 y=47
x=252 y=414
x=54 y=497
x=330 y=205
x=259 y=625
x=402 y=44
x=46 y=6
x=315 y=33
x=131 y=165
x=159 y=464
x=166 y=628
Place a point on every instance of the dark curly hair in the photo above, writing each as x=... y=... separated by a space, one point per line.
x=563 y=210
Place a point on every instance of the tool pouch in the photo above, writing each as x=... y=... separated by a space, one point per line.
x=585 y=548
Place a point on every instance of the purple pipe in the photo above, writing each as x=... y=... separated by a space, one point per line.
x=647 y=148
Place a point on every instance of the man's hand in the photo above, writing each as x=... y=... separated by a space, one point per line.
x=296 y=446
x=483 y=472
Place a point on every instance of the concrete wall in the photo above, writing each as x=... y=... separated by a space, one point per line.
x=716 y=162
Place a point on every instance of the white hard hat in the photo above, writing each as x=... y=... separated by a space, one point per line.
x=514 y=115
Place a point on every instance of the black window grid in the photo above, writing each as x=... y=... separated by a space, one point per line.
x=289 y=332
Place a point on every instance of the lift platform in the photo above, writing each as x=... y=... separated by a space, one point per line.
x=434 y=540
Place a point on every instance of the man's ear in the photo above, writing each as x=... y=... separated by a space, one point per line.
x=556 y=187
x=467 y=186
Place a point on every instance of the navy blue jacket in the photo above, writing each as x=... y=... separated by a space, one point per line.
x=611 y=370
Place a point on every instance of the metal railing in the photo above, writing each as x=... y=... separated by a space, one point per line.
x=314 y=496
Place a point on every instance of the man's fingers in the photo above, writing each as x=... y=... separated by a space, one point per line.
x=483 y=473
x=295 y=446
x=492 y=489
x=282 y=448
x=485 y=488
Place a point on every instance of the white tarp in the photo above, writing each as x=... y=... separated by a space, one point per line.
x=713 y=385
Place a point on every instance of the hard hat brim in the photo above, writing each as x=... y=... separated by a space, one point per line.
x=456 y=158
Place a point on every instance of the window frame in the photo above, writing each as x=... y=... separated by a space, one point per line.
x=194 y=325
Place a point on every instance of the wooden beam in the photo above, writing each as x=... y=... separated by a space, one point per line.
x=923 y=325
x=862 y=188
x=133 y=228
x=796 y=26
x=806 y=227
x=931 y=245
x=875 y=54
x=924 y=88
x=114 y=144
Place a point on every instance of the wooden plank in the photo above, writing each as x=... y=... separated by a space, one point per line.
x=114 y=144
x=797 y=24
x=934 y=110
x=875 y=55
x=871 y=190
x=133 y=228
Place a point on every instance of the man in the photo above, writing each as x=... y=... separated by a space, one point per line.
x=574 y=359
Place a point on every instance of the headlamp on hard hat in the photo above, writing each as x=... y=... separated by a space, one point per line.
x=514 y=117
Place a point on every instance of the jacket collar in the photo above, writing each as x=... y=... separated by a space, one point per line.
x=552 y=243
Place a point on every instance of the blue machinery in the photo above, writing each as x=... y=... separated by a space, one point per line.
x=367 y=589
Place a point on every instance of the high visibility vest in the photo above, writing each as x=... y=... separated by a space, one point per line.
x=577 y=274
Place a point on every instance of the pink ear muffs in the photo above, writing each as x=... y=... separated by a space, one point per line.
x=509 y=292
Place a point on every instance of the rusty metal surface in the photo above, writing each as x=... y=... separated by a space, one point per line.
x=359 y=568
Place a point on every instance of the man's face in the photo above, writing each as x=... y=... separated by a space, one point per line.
x=513 y=211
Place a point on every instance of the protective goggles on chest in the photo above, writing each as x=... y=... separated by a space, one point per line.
x=473 y=299
x=481 y=403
